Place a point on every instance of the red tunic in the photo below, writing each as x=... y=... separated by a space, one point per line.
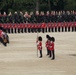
x=47 y=44
x=15 y=25
x=59 y=25
x=25 y=26
x=35 y=26
x=19 y=26
x=8 y=26
x=51 y=47
x=28 y=25
x=43 y=25
x=5 y=26
x=55 y=25
x=39 y=46
x=38 y=25
x=65 y=24
x=74 y=24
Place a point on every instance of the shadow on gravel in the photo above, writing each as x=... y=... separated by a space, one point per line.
x=72 y=54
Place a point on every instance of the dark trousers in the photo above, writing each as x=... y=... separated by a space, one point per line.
x=59 y=29
x=53 y=54
x=72 y=29
x=68 y=29
x=48 y=29
x=47 y=51
x=21 y=30
x=18 y=30
x=52 y=29
x=32 y=30
x=15 y=30
x=75 y=28
x=40 y=53
x=25 y=30
x=65 y=29
x=62 y=29
x=29 y=30
x=43 y=30
x=39 y=29
x=55 y=29
x=50 y=53
x=9 y=30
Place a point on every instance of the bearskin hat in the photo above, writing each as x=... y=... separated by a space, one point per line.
x=53 y=39
x=50 y=38
x=47 y=36
x=40 y=38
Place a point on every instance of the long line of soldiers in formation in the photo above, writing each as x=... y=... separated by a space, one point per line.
x=39 y=27
x=38 y=17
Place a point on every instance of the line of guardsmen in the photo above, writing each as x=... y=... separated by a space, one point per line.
x=38 y=17
x=39 y=27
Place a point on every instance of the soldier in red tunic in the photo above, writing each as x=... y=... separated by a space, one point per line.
x=22 y=27
x=39 y=45
x=8 y=27
x=15 y=27
x=52 y=53
x=19 y=28
x=29 y=27
x=47 y=44
x=25 y=27
x=43 y=27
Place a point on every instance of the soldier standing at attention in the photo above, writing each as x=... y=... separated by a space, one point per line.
x=52 y=51
x=47 y=44
x=39 y=45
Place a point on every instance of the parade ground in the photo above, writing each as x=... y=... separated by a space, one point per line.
x=20 y=55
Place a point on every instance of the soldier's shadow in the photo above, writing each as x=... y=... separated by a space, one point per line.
x=72 y=54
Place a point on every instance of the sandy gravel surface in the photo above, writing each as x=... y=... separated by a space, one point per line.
x=20 y=56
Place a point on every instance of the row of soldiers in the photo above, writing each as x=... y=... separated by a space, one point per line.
x=39 y=27
x=38 y=17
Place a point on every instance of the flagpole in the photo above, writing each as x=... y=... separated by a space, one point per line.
x=37 y=41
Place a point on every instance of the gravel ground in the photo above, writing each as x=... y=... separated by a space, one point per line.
x=20 y=56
